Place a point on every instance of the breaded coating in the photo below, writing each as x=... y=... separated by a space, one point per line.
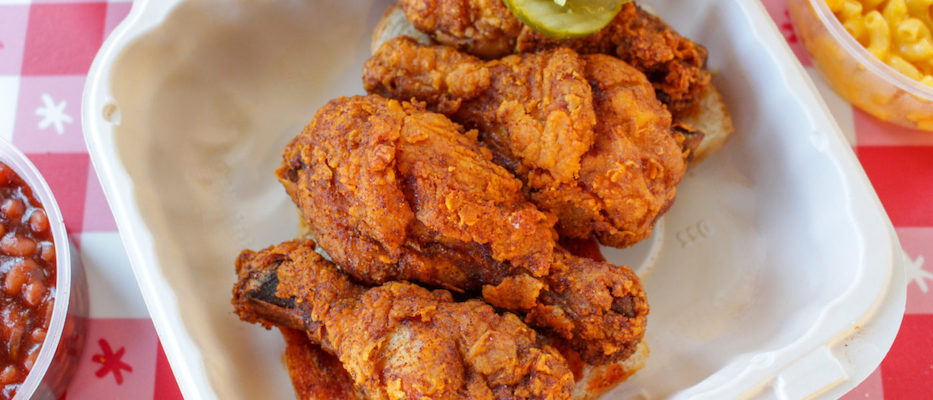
x=617 y=161
x=482 y=27
x=535 y=108
x=399 y=340
x=394 y=188
x=675 y=65
x=393 y=192
x=315 y=373
x=629 y=177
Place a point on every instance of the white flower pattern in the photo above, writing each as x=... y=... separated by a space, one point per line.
x=916 y=273
x=53 y=114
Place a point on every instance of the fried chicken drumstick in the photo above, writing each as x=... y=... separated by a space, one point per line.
x=585 y=133
x=486 y=28
x=315 y=373
x=393 y=192
x=398 y=340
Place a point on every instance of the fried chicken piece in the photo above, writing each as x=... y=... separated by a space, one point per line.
x=618 y=160
x=485 y=28
x=398 y=340
x=315 y=373
x=674 y=64
x=393 y=192
x=537 y=108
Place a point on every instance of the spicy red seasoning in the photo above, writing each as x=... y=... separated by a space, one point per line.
x=27 y=269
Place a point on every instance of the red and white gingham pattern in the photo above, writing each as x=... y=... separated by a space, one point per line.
x=46 y=47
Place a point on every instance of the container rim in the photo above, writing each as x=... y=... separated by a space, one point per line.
x=26 y=170
x=864 y=57
x=184 y=354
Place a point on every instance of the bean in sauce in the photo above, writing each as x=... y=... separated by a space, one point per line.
x=27 y=276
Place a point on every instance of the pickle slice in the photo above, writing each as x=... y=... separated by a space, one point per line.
x=565 y=19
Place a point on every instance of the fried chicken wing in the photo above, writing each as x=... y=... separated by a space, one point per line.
x=674 y=64
x=585 y=133
x=399 y=340
x=393 y=192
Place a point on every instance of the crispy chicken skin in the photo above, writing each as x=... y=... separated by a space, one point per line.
x=394 y=192
x=399 y=340
x=485 y=28
x=674 y=64
x=315 y=373
x=585 y=133
x=535 y=111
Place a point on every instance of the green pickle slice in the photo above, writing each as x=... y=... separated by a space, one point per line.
x=565 y=19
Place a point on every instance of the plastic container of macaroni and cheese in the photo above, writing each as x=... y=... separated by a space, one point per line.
x=855 y=73
x=775 y=275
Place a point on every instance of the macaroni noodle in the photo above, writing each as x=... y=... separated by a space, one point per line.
x=921 y=9
x=895 y=31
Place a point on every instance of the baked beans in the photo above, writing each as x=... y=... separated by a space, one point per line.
x=27 y=269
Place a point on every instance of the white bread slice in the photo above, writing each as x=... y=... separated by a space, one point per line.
x=393 y=24
x=598 y=380
x=712 y=117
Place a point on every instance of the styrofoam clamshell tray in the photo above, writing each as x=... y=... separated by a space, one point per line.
x=775 y=275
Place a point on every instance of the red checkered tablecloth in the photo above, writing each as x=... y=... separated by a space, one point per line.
x=46 y=47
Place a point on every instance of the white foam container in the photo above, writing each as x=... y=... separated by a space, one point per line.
x=777 y=274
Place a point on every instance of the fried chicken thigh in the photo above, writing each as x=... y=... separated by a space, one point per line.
x=398 y=340
x=675 y=65
x=393 y=192
x=585 y=133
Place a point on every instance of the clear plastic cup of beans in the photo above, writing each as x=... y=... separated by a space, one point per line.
x=43 y=294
